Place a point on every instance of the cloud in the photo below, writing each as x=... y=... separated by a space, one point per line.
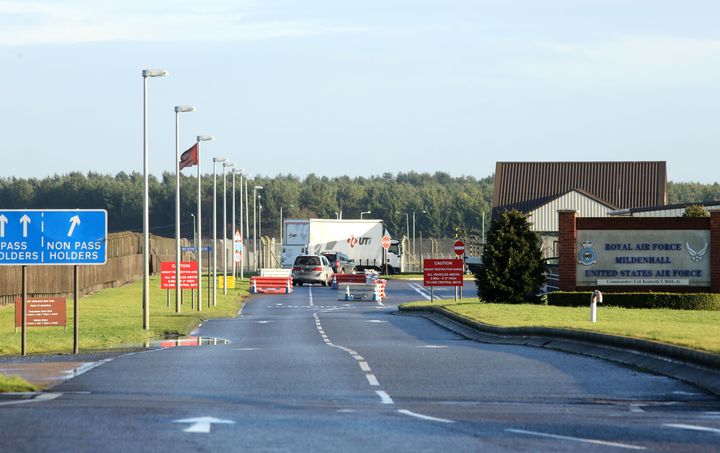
x=30 y=22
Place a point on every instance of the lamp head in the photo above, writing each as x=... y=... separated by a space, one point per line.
x=154 y=73
x=184 y=108
x=205 y=138
x=219 y=159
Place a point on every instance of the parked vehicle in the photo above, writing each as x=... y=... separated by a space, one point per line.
x=359 y=239
x=311 y=269
x=340 y=262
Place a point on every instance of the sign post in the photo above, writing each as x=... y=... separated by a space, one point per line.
x=33 y=237
x=386 y=246
x=442 y=272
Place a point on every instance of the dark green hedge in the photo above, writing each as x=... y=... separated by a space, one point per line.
x=675 y=301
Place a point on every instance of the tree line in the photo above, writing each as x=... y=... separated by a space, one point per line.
x=439 y=203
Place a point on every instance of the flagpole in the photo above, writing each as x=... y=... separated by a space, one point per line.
x=199 y=218
x=178 y=109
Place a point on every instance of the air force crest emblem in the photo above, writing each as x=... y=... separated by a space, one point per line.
x=587 y=256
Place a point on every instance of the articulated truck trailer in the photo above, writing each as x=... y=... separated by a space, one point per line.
x=360 y=239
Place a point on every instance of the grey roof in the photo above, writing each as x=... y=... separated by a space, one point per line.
x=527 y=185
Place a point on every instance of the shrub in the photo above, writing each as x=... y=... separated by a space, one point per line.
x=674 y=301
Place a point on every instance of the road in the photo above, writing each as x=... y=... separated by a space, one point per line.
x=308 y=372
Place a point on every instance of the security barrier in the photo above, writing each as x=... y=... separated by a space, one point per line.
x=271 y=285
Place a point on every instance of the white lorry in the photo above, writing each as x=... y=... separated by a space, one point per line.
x=360 y=239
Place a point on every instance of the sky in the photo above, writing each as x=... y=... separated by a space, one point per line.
x=335 y=87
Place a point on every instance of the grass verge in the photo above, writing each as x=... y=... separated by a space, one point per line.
x=15 y=384
x=113 y=318
x=688 y=328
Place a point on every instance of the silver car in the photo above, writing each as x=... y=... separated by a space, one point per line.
x=311 y=269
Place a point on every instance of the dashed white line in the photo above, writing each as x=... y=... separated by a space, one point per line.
x=424 y=417
x=692 y=427
x=365 y=367
x=311 y=297
x=384 y=397
x=576 y=439
x=372 y=380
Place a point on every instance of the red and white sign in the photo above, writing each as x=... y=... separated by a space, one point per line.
x=459 y=247
x=41 y=312
x=386 y=242
x=238 y=257
x=188 y=275
x=443 y=272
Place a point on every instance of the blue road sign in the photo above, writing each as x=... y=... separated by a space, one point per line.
x=53 y=237
x=190 y=248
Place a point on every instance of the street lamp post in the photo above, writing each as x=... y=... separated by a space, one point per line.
x=255 y=260
x=364 y=212
x=178 y=110
x=261 y=256
x=214 y=243
x=247 y=220
x=200 y=138
x=146 y=199
x=413 y=244
x=225 y=285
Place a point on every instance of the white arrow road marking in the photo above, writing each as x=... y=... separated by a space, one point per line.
x=25 y=220
x=3 y=221
x=74 y=221
x=202 y=424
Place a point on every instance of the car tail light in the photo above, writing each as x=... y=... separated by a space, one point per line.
x=337 y=265
x=317 y=269
x=296 y=268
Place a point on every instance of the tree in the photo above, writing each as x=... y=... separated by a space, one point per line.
x=696 y=210
x=512 y=271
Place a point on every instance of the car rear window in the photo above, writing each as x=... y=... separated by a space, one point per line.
x=308 y=260
x=330 y=256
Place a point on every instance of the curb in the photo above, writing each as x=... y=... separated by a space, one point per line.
x=696 y=367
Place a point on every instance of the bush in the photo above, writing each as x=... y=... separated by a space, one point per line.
x=512 y=270
x=674 y=301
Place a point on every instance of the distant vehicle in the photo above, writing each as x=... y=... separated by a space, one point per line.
x=359 y=239
x=340 y=262
x=311 y=269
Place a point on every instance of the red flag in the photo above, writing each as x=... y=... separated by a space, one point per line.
x=189 y=157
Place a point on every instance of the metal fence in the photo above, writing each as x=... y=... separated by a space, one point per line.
x=124 y=265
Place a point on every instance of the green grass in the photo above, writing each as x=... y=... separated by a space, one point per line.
x=15 y=384
x=693 y=329
x=114 y=318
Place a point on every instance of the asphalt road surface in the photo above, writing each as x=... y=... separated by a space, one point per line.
x=309 y=372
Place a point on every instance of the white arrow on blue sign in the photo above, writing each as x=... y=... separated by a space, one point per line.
x=53 y=237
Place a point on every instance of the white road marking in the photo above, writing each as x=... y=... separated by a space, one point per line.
x=424 y=417
x=372 y=380
x=636 y=408
x=375 y=320
x=38 y=399
x=432 y=346
x=680 y=392
x=576 y=439
x=692 y=427
x=263 y=322
x=711 y=415
x=358 y=357
x=246 y=349
x=419 y=289
x=384 y=397
x=365 y=367
x=202 y=424
x=311 y=297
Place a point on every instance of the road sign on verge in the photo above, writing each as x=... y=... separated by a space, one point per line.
x=42 y=312
x=53 y=237
x=459 y=247
x=386 y=242
x=188 y=275
x=443 y=272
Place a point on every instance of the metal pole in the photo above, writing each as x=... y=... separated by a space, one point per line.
x=146 y=216
x=199 y=231
x=254 y=229
x=247 y=221
x=261 y=260
x=234 y=227
x=224 y=225
x=76 y=322
x=243 y=230
x=177 y=210
x=23 y=336
x=214 y=243
x=413 y=236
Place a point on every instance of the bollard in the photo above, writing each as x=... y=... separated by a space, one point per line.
x=596 y=297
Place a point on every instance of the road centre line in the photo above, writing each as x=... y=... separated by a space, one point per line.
x=311 y=296
x=362 y=363
x=39 y=398
x=692 y=427
x=576 y=439
x=423 y=291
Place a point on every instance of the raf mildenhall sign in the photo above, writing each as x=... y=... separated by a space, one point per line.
x=643 y=257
